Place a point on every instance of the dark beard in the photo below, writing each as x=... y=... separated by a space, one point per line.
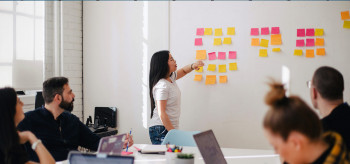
x=67 y=106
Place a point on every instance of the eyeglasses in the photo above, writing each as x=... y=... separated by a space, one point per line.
x=309 y=84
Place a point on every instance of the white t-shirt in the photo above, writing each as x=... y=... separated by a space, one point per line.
x=165 y=90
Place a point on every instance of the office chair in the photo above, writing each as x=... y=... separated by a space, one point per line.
x=180 y=138
x=39 y=100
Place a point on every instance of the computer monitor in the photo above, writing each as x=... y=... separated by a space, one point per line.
x=76 y=157
x=39 y=100
x=106 y=116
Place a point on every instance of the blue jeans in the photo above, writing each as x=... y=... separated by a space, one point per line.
x=157 y=134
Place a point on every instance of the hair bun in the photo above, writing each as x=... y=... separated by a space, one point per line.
x=276 y=94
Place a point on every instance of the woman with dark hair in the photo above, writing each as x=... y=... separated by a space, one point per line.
x=295 y=131
x=165 y=94
x=11 y=140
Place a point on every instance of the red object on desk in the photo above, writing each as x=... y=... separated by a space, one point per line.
x=126 y=153
x=138 y=149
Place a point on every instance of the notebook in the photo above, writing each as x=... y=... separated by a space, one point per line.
x=153 y=149
x=111 y=145
x=209 y=148
x=75 y=157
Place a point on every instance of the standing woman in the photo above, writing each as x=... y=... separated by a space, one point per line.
x=165 y=94
x=11 y=150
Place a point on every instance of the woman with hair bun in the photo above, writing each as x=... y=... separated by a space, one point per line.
x=295 y=132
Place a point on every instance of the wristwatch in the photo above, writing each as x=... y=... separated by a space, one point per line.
x=35 y=144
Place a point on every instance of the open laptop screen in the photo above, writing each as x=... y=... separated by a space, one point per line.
x=83 y=158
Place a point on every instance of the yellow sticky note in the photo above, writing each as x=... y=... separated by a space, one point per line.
x=232 y=66
x=230 y=31
x=264 y=43
x=298 y=52
x=227 y=41
x=211 y=67
x=199 y=70
x=222 y=68
x=319 y=42
x=310 y=53
x=255 y=42
x=263 y=52
x=217 y=41
x=222 y=79
x=318 y=32
x=210 y=79
x=346 y=24
x=320 y=51
x=197 y=77
x=218 y=32
x=276 y=49
x=276 y=39
x=208 y=31
x=345 y=15
x=201 y=54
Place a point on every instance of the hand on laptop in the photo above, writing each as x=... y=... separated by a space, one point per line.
x=128 y=139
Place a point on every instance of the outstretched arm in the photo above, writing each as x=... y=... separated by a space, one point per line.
x=188 y=68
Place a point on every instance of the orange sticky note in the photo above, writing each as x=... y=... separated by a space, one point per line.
x=230 y=31
x=319 y=42
x=276 y=39
x=345 y=15
x=263 y=52
x=320 y=51
x=264 y=43
x=217 y=41
x=298 y=52
x=232 y=66
x=200 y=69
x=255 y=42
x=197 y=77
x=310 y=53
x=222 y=79
x=227 y=41
x=210 y=79
x=201 y=54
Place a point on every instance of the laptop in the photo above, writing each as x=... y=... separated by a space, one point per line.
x=75 y=157
x=111 y=145
x=209 y=148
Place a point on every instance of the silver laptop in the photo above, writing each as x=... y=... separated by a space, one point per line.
x=209 y=148
x=111 y=145
x=76 y=157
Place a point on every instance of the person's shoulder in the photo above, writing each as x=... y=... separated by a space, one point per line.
x=70 y=116
x=162 y=83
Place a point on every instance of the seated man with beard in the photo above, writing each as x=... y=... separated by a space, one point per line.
x=59 y=130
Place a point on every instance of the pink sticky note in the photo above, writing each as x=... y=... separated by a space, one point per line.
x=300 y=32
x=212 y=56
x=198 y=42
x=200 y=31
x=310 y=42
x=300 y=43
x=310 y=32
x=222 y=55
x=254 y=31
x=265 y=31
x=126 y=153
x=232 y=54
x=275 y=30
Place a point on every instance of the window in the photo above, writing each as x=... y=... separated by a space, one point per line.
x=22 y=37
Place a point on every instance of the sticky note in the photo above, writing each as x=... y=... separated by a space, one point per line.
x=300 y=32
x=199 y=70
x=275 y=30
x=345 y=15
x=298 y=52
x=346 y=24
x=254 y=31
x=198 y=42
x=318 y=32
x=211 y=67
x=218 y=32
x=276 y=39
x=263 y=52
x=222 y=68
x=232 y=54
x=200 y=31
x=310 y=53
x=201 y=54
x=210 y=79
x=255 y=42
x=212 y=56
x=197 y=77
x=227 y=41
x=300 y=43
x=221 y=55
x=231 y=31
x=265 y=31
x=222 y=79
x=217 y=41
x=319 y=42
x=320 y=51
x=208 y=31
x=232 y=66
x=276 y=49
x=310 y=42
x=264 y=43
x=310 y=32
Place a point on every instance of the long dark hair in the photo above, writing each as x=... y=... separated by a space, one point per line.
x=159 y=69
x=9 y=139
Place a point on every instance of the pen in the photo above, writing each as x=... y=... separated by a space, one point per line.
x=127 y=145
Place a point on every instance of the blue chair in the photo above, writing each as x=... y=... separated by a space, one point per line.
x=180 y=138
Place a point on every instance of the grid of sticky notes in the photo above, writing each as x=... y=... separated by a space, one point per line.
x=219 y=39
x=275 y=39
x=310 y=39
x=345 y=16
